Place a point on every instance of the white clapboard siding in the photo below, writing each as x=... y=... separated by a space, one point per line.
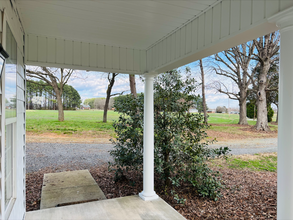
x=55 y=52
x=223 y=25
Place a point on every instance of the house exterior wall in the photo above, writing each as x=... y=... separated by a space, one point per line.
x=9 y=15
x=228 y=23
x=55 y=52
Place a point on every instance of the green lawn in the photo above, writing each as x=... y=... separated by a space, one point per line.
x=75 y=121
x=256 y=162
x=91 y=120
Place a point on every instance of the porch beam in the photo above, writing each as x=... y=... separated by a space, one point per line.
x=284 y=21
x=148 y=192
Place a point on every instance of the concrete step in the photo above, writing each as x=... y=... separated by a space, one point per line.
x=66 y=188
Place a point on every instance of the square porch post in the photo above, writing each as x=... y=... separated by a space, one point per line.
x=148 y=192
x=284 y=21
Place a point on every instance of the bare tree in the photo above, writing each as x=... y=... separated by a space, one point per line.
x=267 y=51
x=236 y=67
x=57 y=79
x=111 y=80
x=132 y=84
x=203 y=92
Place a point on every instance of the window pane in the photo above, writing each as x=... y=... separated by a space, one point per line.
x=8 y=163
x=10 y=75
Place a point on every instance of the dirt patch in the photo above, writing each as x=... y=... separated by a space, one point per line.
x=240 y=132
x=246 y=194
x=84 y=137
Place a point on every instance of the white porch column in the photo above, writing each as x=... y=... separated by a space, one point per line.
x=285 y=132
x=148 y=192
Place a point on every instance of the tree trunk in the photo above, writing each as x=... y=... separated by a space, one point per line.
x=204 y=107
x=106 y=106
x=242 y=108
x=60 y=107
x=277 y=114
x=109 y=89
x=132 y=84
x=262 y=113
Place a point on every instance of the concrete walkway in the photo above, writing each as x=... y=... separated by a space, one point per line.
x=124 y=208
x=66 y=188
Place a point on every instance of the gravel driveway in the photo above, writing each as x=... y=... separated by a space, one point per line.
x=250 y=146
x=84 y=156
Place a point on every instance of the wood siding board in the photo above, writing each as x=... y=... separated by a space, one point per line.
x=136 y=60
x=129 y=59
x=225 y=18
x=33 y=47
x=42 y=49
x=20 y=107
x=109 y=57
x=208 y=27
x=258 y=10
x=20 y=81
x=235 y=16
x=216 y=22
x=201 y=27
x=20 y=65
x=77 y=53
x=69 y=52
x=188 y=44
x=142 y=61
x=122 y=52
x=272 y=7
x=101 y=56
x=246 y=13
x=149 y=59
x=164 y=51
x=155 y=56
x=194 y=25
x=169 y=48
x=160 y=53
x=51 y=52
x=93 y=55
x=284 y=4
x=173 y=47
x=183 y=41
x=60 y=55
x=116 y=61
x=85 y=54
x=178 y=43
x=20 y=94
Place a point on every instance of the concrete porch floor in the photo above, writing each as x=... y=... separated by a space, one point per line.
x=130 y=207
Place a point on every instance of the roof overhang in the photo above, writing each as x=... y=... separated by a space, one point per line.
x=139 y=36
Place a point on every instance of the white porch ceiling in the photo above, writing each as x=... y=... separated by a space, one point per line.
x=133 y=24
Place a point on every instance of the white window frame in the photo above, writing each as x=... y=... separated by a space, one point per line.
x=6 y=210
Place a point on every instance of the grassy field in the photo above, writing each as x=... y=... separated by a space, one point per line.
x=75 y=121
x=224 y=126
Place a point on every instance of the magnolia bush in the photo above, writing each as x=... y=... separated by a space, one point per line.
x=181 y=148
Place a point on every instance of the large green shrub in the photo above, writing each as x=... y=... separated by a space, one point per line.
x=250 y=108
x=181 y=152
x=270 y=113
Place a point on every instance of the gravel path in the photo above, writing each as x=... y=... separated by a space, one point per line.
x=84 y=156
x=250 y=146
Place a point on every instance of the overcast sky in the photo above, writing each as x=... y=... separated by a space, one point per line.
x=94 y=84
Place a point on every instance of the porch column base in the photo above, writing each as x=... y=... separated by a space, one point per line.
x=148 y=198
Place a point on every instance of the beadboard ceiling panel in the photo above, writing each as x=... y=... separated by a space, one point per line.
x=133 y=24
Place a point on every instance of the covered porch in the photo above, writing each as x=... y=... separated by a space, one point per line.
x=147 y=38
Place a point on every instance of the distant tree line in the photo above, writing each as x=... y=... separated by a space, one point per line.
x=98 y=103
x=40 y=95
